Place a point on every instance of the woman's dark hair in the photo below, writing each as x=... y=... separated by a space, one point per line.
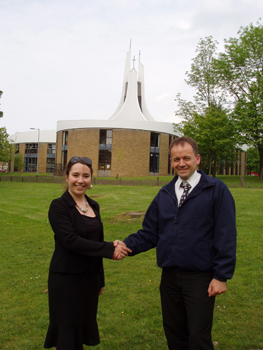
x=82 y=160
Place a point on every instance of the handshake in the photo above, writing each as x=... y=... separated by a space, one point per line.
x=120 y=251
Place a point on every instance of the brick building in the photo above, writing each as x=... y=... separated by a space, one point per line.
x=37 y=149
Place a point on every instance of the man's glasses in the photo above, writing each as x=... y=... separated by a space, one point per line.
x=85 y=160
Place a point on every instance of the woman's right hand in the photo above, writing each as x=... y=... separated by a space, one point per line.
x=121 y=250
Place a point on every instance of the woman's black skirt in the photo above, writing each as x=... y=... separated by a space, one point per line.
x=73 y=303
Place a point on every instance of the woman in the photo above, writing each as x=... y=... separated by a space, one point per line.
x=76 y=277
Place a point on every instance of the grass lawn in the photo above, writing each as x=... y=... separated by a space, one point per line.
x=129 y=313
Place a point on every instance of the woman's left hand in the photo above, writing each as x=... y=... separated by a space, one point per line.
x=101 y=291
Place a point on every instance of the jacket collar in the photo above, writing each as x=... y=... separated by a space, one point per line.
x=205 y=181
x=67 y=197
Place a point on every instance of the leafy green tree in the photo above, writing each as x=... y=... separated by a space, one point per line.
x=19 y=162
x=207 y=119
x=252 y=161
x=214 y=133
x=202 y=76
x=239 y=70
x=5 y=146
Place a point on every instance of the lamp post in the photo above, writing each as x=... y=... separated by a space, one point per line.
x=38 y=132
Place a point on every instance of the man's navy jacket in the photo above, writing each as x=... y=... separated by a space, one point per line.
x=198 y=236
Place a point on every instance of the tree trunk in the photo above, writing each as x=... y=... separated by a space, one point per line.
x=210 y=164
x=260 y=151
x=214 y=167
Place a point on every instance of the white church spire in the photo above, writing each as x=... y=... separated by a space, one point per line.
x=132 y=105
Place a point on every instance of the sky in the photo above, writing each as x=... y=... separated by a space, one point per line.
x=64 y=59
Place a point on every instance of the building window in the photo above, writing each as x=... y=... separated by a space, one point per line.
x=104 y=160
x=31 y=165
x=51 y=148
x=64 y=159
x=50 y=165
x=105 y=147
x=154 y=163
x=51 y=154
x=16 y=148
x=139 y=86
x=105 y=137
x=65 y=138
x=64 y=150
x=31 y=148
x=155 y=138
x=154 y=152
x=126 y=89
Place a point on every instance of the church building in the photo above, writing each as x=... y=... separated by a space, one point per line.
x=129 y=143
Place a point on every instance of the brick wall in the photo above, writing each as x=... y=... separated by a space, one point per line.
x=42 y=158
x=84 y=143
x=131 y=152
x=130 y=155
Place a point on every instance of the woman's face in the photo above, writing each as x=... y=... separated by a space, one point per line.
x=79 y=179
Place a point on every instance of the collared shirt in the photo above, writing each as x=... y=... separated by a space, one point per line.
x=193 y=181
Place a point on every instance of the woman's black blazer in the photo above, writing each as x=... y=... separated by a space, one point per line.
x=73 y=253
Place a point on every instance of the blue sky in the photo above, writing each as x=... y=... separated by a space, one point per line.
x=64 y=59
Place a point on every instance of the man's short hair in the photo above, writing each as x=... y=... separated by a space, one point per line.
x=181 y=141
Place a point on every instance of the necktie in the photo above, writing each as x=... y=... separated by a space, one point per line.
x=186 y=186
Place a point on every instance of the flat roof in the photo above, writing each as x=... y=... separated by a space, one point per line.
x=45 y=136
x=113 y=124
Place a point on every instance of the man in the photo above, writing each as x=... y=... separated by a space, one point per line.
x=196 y=247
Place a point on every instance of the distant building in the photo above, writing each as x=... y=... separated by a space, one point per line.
x=30 y=144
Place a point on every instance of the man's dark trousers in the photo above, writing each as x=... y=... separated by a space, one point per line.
x=187 y=309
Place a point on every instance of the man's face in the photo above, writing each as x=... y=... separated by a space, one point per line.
x=183 y=160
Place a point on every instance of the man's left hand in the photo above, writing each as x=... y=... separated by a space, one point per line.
x=216 y=287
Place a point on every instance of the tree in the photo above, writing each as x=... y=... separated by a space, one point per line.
x=252 y=162
x=19 y=162
x=202 y=75
x=5 y=145
x=214 y=133
x=207 y=119
x=239 y=70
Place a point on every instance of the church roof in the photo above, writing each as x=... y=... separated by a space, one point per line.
x=131 y=113
x=132 y=105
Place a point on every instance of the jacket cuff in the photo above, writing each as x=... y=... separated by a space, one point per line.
x=221 y=279
x=110 y=250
